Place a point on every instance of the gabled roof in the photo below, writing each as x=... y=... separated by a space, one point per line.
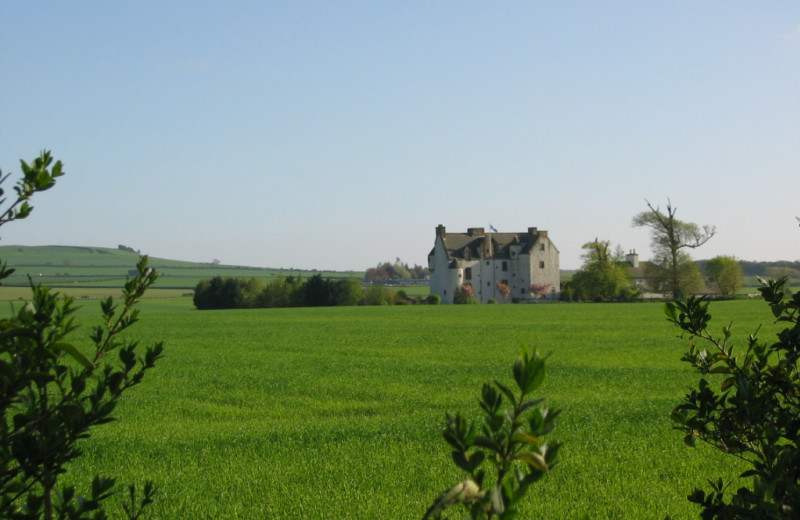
x=475 y=244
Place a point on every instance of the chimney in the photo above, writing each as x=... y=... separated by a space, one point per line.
x=475 y=232
x=533 y=230
x=632 y=258
x=440 y=232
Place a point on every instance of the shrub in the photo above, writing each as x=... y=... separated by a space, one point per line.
x=378 y=295
x=464 y=295
x=348 y=292
x=52 y=393
x=219 y=293
x=508 y=455
x=747 y=404
x=433 y=299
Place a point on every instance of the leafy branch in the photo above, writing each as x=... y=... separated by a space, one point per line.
x=753 y=414
x=507 y=454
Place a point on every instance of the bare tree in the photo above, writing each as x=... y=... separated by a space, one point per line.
x=669 y=236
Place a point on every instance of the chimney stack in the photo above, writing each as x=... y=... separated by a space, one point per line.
x=632 y=258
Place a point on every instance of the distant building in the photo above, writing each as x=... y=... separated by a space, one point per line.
x=490 y=261
x=639 y=273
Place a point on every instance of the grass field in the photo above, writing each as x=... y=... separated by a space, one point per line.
x=98 y=267
x=338 y=412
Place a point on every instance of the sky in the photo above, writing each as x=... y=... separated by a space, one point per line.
x=337 y=135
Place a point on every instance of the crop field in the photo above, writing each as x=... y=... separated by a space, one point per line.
x=98 y=267
x=318 y=413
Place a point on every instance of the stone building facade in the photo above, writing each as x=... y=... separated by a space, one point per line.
x=527 y=263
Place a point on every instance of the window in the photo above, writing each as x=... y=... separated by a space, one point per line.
x=541 y=248
x=522 y=290
x=541 y=264
x=505 y=265
x=468 y=273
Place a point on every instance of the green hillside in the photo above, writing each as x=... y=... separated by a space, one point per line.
x=68 y=266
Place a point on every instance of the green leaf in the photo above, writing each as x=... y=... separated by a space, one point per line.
x=72 y=413
x=488 y=443
x=720 y=370
x=524 y=437
x=529 y=372
x=463 y=492
x=77 y=355
x=533 y=459
x=508 y=393
x=17 y=332
x=498 y=505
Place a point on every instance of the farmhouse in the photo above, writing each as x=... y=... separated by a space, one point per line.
x=523 y=266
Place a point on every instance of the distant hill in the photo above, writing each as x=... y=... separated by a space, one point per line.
x=73 y=266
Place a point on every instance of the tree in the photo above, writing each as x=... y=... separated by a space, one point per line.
x=508 y=454
x=52 y=393
x=220 y=293
x=659 y=277
x=724 y=273
x=378 y=295
x=277 y=293
x=540 y=289
x=398 y=270
x=503 y=289
x=318 y=292
x=669 y=237
x=348 y=292
x=776 y=272
x=464 y=295
x=746 y=405
x=603 y=276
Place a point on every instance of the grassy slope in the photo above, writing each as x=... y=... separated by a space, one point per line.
x=66 y=266
x=337 y=412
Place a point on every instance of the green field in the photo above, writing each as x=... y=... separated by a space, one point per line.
x=99 y=267
x=338 y=412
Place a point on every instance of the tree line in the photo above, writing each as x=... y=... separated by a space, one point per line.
x=250 y=293
x=769 y=269
x=398 y=270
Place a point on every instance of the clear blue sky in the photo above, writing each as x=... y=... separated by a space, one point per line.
x=336 y=135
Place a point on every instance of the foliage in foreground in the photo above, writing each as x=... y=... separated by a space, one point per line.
x=750 y=410
x=509 y=454
x=52 y=393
